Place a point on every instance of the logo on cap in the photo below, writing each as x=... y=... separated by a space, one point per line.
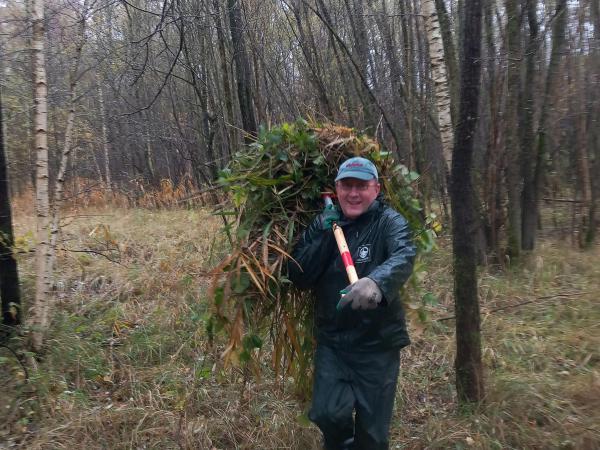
x=357 y=167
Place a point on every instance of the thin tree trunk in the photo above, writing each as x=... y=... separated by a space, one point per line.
x=400 y=113
x=106 y=22
x=407 y=40
x=105 y=142
x=229 y=118
x=67 y=145
x=423 y=92
x=75 y=177
x=361 y=62
x=558 y=38
x=258 y=95
x=594 y=136
x=200 y=82
x=590 y=233
x=38 y=314
x=527 y=132
x=512 y=151
x=440 y=80
x=9 y=275
x=469 y=368
x=309 y=52
x=449 y=56
x=31 y=156
x=149 y=155
x=208 y=125
x=326 y=20
x=390 y=48
x=243 y=70
x=581 y=130
x=96 y=164
x=493 y=157
x=344 y=75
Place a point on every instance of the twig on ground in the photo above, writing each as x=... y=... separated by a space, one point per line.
x=502 y=308
x=94 y=252
x=18 y=359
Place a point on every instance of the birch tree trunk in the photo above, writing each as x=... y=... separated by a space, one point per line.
x=104 y=19
x=31 y=156
x=104 y=137
x=449 y=55
x=149 y=152
x=68 y=140
x=440 y=79
x=38 y=314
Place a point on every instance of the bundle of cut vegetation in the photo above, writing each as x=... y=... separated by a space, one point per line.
x=275 y=187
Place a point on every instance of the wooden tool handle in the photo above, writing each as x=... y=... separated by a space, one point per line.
x=345 y=253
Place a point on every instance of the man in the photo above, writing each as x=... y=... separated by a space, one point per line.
x=359 y=336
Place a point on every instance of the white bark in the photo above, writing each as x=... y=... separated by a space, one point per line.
x=38 y=314
x=67 y=145
x=92 y=150
x=439 y=77
x=582 y=149
x=105 y=144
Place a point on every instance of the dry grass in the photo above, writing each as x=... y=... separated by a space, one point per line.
x=128 y=363
x=542 y=359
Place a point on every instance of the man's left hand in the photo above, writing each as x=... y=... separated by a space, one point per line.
x=364 y=294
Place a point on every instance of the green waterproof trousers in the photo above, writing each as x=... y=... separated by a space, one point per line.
x=347 y=381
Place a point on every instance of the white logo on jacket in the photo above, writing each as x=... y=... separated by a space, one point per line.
x=364 y=254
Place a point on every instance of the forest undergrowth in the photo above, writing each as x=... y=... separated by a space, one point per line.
x=128 y=363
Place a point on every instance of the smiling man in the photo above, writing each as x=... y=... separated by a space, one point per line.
x=360 y=328
x=357 y=186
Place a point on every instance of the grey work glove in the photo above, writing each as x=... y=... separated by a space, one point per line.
x=329 y=215
x=364 y=294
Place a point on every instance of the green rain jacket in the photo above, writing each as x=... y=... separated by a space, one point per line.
x=382 y=249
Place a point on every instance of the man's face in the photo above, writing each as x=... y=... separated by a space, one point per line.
x=355 y=196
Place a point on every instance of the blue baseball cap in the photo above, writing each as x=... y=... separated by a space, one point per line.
x=357 y=167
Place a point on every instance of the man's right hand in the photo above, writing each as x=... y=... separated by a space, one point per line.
x=329 y=215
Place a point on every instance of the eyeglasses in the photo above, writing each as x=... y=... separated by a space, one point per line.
x=347 y=186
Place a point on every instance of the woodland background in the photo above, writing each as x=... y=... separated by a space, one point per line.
x=168 y=90
x=144 y=102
